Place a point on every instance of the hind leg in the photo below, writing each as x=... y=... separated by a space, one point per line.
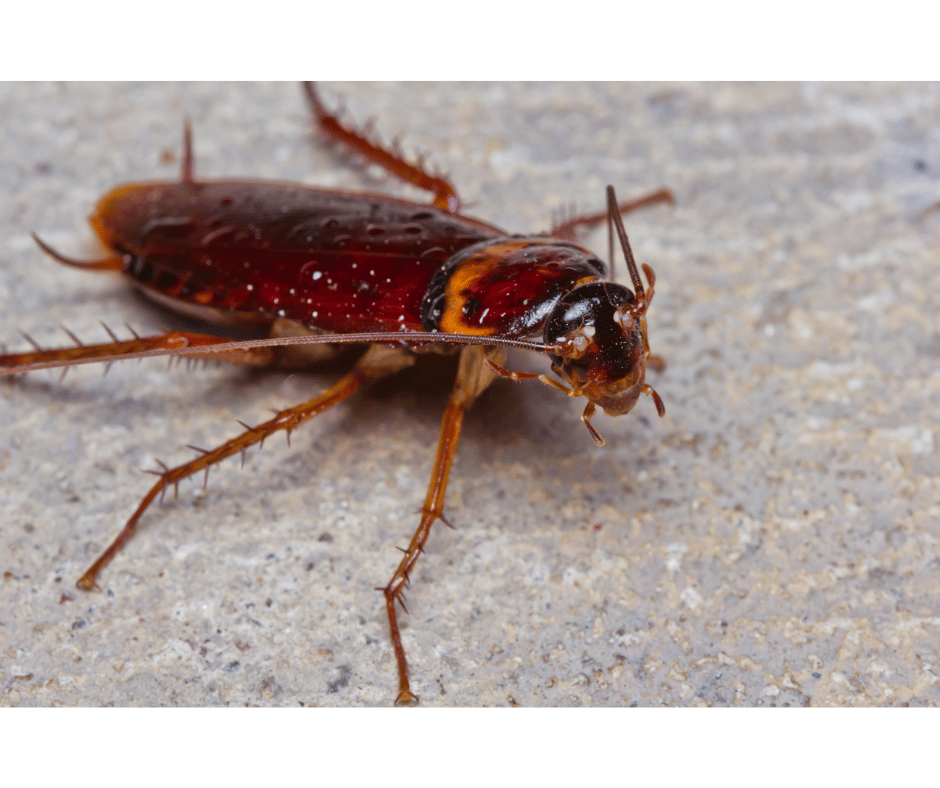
x=445 y=196
x=378 y=362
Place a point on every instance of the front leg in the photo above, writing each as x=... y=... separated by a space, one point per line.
x=474 y=374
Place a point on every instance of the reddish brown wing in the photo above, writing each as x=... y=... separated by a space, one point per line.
x=255 y=251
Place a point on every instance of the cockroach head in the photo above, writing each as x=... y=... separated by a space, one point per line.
x=600 y=329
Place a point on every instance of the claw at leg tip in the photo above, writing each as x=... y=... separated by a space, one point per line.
x=406 y=698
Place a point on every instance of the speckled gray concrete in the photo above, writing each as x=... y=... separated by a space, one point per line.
x=773 y=540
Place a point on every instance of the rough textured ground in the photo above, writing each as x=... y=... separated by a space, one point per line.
x=772 y=541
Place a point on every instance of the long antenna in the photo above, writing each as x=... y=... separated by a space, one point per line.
x=405 y=339
x=613 y=213
x=610 y=233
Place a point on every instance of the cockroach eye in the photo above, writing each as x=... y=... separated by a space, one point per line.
x=578 y=342
x=624 y=319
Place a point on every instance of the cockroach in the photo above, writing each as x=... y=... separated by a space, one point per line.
x=319 y=269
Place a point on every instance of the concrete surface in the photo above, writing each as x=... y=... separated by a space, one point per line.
x=772 y=541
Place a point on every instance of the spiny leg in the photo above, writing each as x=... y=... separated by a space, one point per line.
x=517 y=376
x=432 y=510
x=445 y=196
x=588 y=410
x=473 y=375
x=568 y=229
x=376 y=363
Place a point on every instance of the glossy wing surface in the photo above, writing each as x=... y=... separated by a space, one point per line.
x=338 y=261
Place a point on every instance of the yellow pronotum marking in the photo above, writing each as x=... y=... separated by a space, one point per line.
x=464 y=278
